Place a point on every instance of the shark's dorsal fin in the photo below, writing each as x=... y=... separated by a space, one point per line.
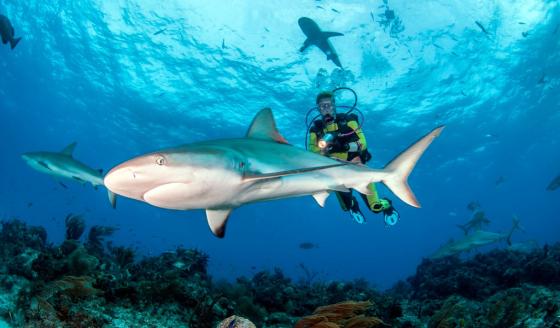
x=69 y=150
x=264 y=127
x=217 y=220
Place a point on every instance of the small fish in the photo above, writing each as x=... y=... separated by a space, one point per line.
x=336 y=11
x=372 y=16
x=160 y=31
x=308 y=245
x=482 y=27
x=463 y=93
x=223 y=43
x=63 y=185
x=554 y=184
x=521 y=23
x=525 y=34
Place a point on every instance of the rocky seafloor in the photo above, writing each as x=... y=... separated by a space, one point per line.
x=87 y=282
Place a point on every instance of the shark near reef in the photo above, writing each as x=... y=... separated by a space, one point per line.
x=221 y=175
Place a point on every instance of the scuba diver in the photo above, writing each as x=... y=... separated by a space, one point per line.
x=339 y=135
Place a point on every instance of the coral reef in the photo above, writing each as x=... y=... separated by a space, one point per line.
x=96 y=284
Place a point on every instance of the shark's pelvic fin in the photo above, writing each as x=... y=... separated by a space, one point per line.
x=321 y=198
x=264 y=127
x=253 y=177
x=331 y=34
x=112 y=198
x=217 y=220
x=69 y=150
x=399 y=168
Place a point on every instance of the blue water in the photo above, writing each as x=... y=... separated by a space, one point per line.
x=95 y=73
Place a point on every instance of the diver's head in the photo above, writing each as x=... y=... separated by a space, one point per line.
x=326 y=104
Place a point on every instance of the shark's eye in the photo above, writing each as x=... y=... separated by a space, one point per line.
x=160 y=160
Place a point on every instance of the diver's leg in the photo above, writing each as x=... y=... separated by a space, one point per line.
x=345 y=200
x=349 y=203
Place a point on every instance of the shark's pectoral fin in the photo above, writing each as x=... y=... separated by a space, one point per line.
x=321 y=198
x=253 y=177
x=69 y=150
x=264 y=127
x=306 y=44
x=217 y=220
x=331 y=34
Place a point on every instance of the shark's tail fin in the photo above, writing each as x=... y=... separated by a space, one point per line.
x=514 y=227
x=398 y=170
x=14 y=42
x=464 y=228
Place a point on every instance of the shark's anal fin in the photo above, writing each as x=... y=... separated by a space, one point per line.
x=69 y=150
x=321 y=198
x=249 y=177
x=112 y=198
x=217 y=220
x=264 y=127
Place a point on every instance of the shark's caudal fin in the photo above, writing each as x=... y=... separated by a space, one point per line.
x=398 y=170
x=514 y=227
x=264 y=127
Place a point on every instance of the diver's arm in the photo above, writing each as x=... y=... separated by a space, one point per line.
x=361 y=144
x=312 y=143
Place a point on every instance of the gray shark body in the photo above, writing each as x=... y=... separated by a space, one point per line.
x=475 y=240
x=7 y=32
x=319 y=39
x=221 y=175
x=63 y=165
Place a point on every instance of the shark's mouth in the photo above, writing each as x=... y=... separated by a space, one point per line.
x=171 y=195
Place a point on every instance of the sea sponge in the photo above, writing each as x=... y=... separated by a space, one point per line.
x=347 y=314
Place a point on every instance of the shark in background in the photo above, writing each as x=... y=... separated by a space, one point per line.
x=63 y=165
x=477 y=221
x=475 y=240
x=221 y=175
x=7 y=32
x=319 y=39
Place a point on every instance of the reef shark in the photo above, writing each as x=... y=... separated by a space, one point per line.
x=62 y=164
x=221 y=175
x=477 y=239
x=7 y=32
x=476 y=222
x=318 y=38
